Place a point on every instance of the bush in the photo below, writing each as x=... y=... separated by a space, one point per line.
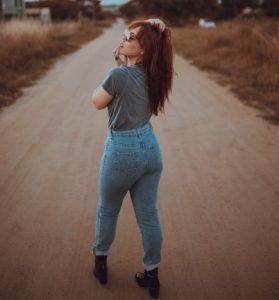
x=28 y=48
x=244 y=52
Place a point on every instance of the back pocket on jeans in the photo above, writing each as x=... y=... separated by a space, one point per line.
x=126 y=164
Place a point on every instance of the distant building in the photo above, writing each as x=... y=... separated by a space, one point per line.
x=13 y=8
x=110 y=8
x=41 y=13
x=34 y=10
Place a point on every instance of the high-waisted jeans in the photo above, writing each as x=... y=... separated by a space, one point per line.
x=131 y=161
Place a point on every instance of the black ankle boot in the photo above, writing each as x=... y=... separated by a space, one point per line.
x=150 y=280
x=100 y=269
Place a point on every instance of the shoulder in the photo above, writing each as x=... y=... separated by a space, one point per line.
x=116 y=80
x=120 y=72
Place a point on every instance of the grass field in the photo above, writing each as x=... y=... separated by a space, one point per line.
x=29 y=48
x=243 y=54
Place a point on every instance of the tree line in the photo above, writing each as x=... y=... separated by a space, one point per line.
x=70 y=9
x=67 y=9
x=174 y=10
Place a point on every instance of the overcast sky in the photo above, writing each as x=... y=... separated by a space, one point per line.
x=107 y=2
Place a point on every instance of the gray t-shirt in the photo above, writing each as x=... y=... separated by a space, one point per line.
x=129 y=106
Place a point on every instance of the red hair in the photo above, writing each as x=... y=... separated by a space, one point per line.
x=157 y=61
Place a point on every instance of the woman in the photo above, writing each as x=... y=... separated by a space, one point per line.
x=134 y=90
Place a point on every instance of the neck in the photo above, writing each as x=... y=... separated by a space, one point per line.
x=132 y=61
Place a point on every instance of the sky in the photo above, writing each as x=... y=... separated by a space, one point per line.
x=108 y=2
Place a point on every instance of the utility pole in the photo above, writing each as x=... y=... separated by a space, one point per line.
x=96 y=8
x=1 y=11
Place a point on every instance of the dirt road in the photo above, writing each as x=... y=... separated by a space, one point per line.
x=218 y=199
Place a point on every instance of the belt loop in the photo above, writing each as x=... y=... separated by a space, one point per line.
x=138 y=132
x=110 y=131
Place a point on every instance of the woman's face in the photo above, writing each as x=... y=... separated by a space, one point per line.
x=130 y=46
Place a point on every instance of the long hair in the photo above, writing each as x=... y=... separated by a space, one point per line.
x=157 y=61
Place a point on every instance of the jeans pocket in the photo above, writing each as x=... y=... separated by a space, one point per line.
x=126 y=164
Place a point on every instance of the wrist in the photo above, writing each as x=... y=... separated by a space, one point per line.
x=118 y=61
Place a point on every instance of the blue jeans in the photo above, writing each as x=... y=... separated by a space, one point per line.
x=131 y=161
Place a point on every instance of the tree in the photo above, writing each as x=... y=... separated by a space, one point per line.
x=174 y=10
x=62 y=9
x=130 y=9
x=271 y=7
x=97 y=11
x=231 y=8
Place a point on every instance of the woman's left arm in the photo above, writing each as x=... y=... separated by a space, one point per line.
x=101 y=98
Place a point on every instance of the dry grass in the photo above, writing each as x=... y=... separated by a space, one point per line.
x=29 y=48
x=243 y=54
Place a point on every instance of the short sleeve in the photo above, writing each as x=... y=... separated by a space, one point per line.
x=115 y=81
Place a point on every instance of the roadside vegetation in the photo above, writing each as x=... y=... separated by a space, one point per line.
x=243 y=54
x=29 y=48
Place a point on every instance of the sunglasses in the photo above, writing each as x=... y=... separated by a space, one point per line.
x=129 y=36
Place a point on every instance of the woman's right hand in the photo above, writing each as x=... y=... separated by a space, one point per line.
x=158 y=23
